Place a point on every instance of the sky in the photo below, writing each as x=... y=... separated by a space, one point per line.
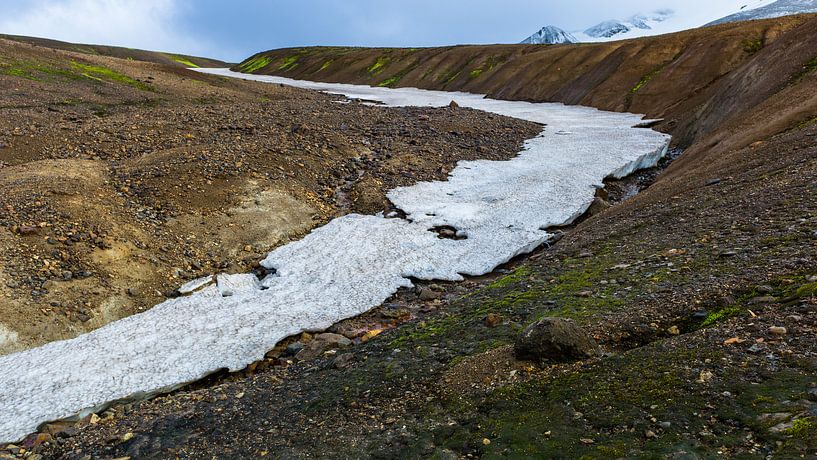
x=234 y=30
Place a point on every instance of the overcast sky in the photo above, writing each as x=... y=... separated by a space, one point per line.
x=232 y=30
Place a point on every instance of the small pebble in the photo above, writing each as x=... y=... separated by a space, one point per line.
x=778 y=330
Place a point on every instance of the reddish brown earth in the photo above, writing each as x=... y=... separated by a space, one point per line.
x=701 y=290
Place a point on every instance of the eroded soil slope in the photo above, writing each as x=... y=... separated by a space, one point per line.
x=122 y=179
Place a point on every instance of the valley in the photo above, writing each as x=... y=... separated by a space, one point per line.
x=699 y=290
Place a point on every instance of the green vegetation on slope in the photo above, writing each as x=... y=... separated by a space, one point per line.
x=183 y=61
x=753 y=46
x=105 y=74
x=289 y=63
x=378 y=65
x=40 y=71
x=254 y=64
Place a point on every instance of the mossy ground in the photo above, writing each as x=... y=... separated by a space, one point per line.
x=753 y=45
x=289 y=63
x=183 y=61
x=37 y=71
x=100 y=73
x=379 y=65
x=254 y=64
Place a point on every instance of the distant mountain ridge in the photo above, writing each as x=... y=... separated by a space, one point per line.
x=667 y=21
x=604 y=30
x=611 y=28
x=774 y=10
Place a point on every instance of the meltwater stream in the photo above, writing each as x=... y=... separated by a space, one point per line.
x=343 y=269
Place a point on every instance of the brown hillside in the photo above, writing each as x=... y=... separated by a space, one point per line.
x=710 y=83
x=155 y=57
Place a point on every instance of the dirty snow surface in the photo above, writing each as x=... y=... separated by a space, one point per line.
x=341 y=270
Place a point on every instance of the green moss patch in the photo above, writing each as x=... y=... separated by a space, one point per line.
x=100 y=73
x=807 y=290
x=289 y=63
x=719 y=315
x=36 y=71
x=18 y=72
x=753 y=46
x=605 y=409
x=379 y=65
x=645 y=79
x=389 y=82
x=254 y=64
x=183 y=61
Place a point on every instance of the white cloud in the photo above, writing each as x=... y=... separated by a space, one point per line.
x=144 y=24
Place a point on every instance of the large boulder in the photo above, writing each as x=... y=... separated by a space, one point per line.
x=555 y=340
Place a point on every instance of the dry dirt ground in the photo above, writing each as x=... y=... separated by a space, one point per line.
x=702 y=291
x=122 y=179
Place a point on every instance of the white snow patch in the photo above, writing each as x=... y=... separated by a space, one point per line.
x=230 y=285
x=340 y=270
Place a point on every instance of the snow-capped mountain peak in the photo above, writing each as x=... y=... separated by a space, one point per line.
x=550 y=35
x=768 y=10
x=617 y=28
x=667 y=21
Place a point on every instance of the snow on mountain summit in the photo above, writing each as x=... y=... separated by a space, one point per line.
x=614 y=28
x=772 y=10
x=667 y=21
x=550 y=35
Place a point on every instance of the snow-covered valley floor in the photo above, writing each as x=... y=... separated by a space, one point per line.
x=340 y=270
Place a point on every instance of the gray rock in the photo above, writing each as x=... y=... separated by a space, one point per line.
x=555 y=339
x=321 y=344
x=426 y=294
x=345 y=329
x=333 y=340
x=294 y=348
x=765 y=300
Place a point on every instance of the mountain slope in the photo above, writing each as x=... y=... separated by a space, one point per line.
x=774 y=10
x=119 y=52
x=668 y=77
